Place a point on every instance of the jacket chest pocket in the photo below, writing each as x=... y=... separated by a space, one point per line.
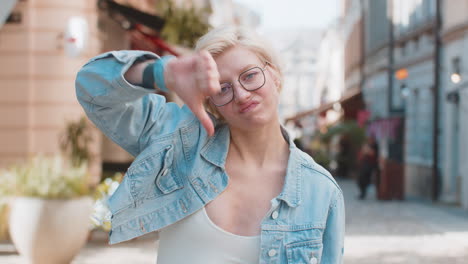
x=154 y=175
x=306 y=252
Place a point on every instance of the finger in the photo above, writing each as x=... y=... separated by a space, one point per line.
x=210 y=65
x=205 y=120
x=201 y=75
x=206 y=56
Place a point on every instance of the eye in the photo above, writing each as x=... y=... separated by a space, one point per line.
x=225 y=88
x=250 y=75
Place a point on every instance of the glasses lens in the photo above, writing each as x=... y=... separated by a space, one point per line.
x=224 y=95
x=252 y=79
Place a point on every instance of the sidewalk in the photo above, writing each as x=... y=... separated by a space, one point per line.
x=406 y=232
x=138 y=251
x=402 y=231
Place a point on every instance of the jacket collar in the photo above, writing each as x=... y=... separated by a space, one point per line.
x=292 y=189
x=216 y=148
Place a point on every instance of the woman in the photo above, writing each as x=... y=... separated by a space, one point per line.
x=225 y=187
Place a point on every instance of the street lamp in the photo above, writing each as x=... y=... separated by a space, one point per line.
x=456 y=77
x=454 y=96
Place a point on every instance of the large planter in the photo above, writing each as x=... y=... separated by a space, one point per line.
x=49 y=231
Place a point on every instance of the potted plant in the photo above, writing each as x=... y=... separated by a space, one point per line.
x=3 y=220
x=50 y=208
x=50 y=199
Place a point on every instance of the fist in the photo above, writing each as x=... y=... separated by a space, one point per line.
x=194 y=78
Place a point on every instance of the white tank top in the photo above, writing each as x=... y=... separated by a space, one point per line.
x=197 y=240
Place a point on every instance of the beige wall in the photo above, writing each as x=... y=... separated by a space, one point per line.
x=37 y=77
x=454 y=13
x=353 y=49
x=420 y=182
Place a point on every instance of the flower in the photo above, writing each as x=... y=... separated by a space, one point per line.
x=101 y=216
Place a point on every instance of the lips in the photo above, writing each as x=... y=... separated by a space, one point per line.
x=248 y=107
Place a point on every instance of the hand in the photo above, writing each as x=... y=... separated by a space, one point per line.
x=194 y=78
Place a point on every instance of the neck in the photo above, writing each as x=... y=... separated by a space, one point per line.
x=262 y=146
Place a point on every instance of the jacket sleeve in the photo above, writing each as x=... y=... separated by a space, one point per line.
x=130 y=115
x=333 y=237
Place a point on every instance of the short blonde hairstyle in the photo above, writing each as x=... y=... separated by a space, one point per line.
x=220 y=39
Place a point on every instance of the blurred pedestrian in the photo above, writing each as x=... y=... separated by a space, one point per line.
x=219 y=186
x=344 y=156
x=368 y=165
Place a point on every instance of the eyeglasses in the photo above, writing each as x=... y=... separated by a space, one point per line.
x=251 y=80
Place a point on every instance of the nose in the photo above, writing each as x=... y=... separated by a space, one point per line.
x=241 y=95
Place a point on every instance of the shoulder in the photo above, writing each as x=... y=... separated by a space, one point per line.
x=314 y=174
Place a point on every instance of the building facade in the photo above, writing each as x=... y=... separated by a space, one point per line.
x=376 y=49
x=398 y=90
x=43 y=44
x=454 y=80
x=385 y=114
x=352 y=14
x=413 y=67
x=415 y=89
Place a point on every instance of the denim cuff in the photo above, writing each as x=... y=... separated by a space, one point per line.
x=158 y=72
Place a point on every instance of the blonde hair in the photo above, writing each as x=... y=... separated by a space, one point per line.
x=220 y=39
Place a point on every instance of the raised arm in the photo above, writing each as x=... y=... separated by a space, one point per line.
x=108 y=87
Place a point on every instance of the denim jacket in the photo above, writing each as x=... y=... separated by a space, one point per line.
x=178 y=169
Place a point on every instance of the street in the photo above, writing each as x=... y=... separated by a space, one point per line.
x=402 y=231
x=376 y=232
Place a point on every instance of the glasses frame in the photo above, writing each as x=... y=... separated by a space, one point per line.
x=239 y=81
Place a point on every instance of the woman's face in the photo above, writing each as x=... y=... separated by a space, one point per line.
x=248 y=109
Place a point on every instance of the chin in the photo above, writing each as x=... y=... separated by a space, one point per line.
x=254 y=122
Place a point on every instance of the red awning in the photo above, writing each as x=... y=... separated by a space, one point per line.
x=144 y=41
x=324 y=107
x=143 y=28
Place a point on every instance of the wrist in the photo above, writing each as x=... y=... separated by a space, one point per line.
x=161 y=73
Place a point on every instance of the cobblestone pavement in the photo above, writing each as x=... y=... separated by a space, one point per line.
x=377 y=232
x=408 y=231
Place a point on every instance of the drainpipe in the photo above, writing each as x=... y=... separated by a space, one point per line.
x=363 y=46
x=435 y=133
x=391 y=45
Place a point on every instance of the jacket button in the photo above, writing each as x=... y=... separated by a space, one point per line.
x=272 y=253
x=275 y=215
x=313 y=260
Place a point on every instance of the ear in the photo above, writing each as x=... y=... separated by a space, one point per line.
x=275 y=75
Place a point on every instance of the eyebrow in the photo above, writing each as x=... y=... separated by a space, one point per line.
x=248 y=66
